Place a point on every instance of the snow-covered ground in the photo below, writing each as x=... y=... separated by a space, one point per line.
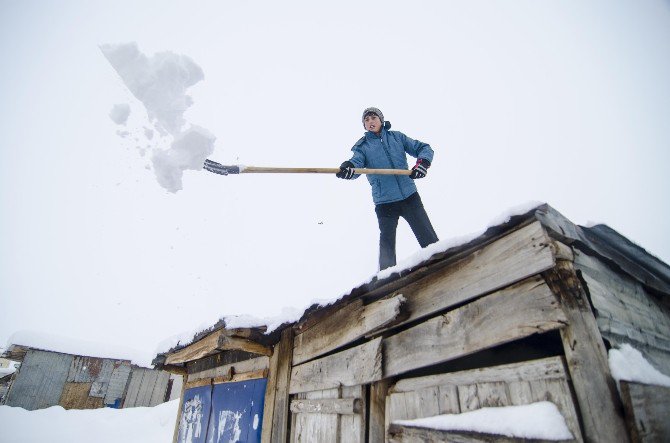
x=146 y=425
x=106 y=425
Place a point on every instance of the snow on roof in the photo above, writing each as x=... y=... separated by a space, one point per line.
x=627 y=363
x=68 y=345
x=540 y=420
x=290 y=315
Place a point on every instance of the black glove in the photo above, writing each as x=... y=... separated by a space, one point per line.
x=420 y=169
x=346 y=171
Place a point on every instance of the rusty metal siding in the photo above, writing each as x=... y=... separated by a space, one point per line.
x=40 y=381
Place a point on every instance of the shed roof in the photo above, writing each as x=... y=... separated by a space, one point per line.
x=600 y=240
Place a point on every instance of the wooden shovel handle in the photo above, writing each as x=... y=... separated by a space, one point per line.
x=263 y=170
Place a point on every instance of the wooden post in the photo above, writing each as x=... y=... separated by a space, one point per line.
x=377 y=424
x=276 y=413
x=179 y=411
x=600 y=407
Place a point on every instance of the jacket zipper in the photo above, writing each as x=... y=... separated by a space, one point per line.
x=397 y=180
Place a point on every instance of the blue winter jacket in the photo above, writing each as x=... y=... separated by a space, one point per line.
x=388 y=152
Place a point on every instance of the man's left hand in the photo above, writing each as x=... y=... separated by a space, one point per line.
x=420 y=169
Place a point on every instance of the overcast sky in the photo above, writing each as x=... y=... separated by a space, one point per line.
x=566 y=102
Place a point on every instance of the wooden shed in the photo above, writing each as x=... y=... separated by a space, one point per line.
x=525 y=312
x=47 y=378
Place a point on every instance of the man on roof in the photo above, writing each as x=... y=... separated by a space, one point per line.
x=394 y=196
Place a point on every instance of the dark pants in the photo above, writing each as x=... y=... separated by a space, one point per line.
x=411 y=209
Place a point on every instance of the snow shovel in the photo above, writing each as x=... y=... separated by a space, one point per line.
x=218 y=168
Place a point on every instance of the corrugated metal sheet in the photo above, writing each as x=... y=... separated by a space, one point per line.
x=147 y=387
x=117 y=382
x=39 y=383
x=90 y=369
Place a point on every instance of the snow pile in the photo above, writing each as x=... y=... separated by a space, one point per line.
x=13 y=365
x=160 y=83
x=68 y=345
x=627 y=363
x=106 y=425
x=540 y=420
x=119 y=113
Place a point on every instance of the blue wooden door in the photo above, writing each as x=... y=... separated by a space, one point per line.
x=195 y=414
x=237 y=411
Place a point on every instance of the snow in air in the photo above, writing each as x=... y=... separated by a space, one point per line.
x=119 y=113
x=160 y=83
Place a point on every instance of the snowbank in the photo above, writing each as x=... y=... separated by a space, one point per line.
x=67 y=345
x=106 y=425
x=540 y=420
x=627 y=363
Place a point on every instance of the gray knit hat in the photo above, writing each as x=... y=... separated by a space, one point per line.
x=375 y=111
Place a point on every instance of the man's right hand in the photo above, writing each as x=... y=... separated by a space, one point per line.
x=346 y=171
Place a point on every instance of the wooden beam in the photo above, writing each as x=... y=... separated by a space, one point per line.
x=348 y=324
x=355 y=366
x=198 y=383
x=175 y=435
x=253 y=364
x=342 y=406
x=194 y=351
x=542 y=369
x=227 y=343
x=600 y=407
x=215 y=342
x=404 y=434
x=512 y=313
x=174 y=369
x=647 y=410
x=276 y=412
x=512 y=258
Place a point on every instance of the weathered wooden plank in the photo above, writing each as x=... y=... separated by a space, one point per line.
x=647 y=411
x=317 y=427
x=518 y=255
x=194 y=351
x=512 y=313
x=468 y=400
x=493 y=394
x=330 y=406
x=376 y=425
x=586 y=358
x=214 y=342
x=348 y=324
x=410 y=434
x=175 y=434
x=251 y=365
x=197 y=383
x=353 y=427
x=252 y=375
x=242 y=344
x=546 y=368
x=276 y=414
x=75 y=396
x=359 y=365
x=448 y=399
